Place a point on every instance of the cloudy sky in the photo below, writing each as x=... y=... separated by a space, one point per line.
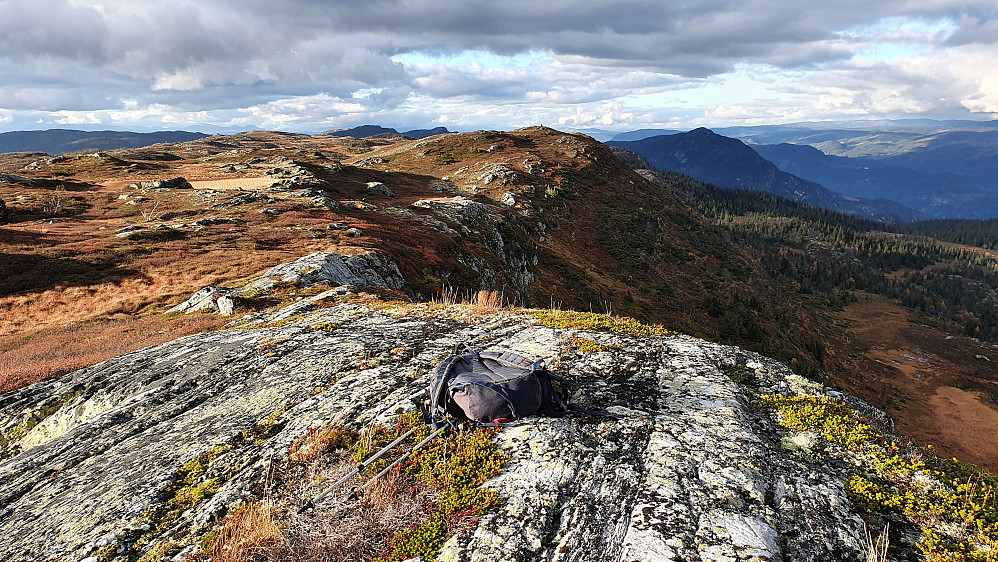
x=312 y=65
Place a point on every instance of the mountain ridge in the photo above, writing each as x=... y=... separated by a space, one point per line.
x=58 y=141
x=364 y=131
x=727 y=162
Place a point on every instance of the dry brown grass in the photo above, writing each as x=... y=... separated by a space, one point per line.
x=32 y=357
x=62 y=265
x=317 y=442
x=486 y=301
x=249 y=533
x=95 y=296
x=355 y=530
x=876 y=549
x=339 y=528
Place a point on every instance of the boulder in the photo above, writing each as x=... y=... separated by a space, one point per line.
x=203 y=300
x=174 y=183
x=327 y=268
x=226 y=306
x=460 y=205
x=331 y=268
x=133 y=232
x=378 y=187
x=11 y=178
x=210 y=221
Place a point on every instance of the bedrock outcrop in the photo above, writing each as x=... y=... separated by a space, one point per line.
x=693 y=470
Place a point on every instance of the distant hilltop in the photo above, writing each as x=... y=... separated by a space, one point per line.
x=58 y=141
x=364 y=131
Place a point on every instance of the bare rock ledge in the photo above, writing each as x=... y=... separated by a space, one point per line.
x=694 y=471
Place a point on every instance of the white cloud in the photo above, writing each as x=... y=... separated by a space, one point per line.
x=181 y=80
x=602 y=115
x=77 y=118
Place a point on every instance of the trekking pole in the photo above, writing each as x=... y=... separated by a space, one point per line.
x=403 y=457
x=354 y=472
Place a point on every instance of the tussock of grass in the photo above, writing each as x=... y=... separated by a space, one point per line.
x=318 y=441
x=248 y=532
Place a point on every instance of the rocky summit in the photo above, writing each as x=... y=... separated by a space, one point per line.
x=695 y=468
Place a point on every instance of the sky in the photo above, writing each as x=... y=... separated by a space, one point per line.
x=618 y=65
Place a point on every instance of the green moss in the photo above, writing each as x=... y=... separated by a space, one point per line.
x=187 y=490
x=326 y=326
x=156 y=553
x=735 y=372
x=189 y=496
x=193 y=469
x=208 y=540
x=423 y=541
x=263 y=429
x=596 y=322
x=109 y=552
x=285 y=322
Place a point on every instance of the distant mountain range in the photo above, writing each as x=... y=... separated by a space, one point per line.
x=817 y=132
x=640 y=134
x=935 y=189
x=945 y=169
x=363 y=131
x=58 y=141
x=727 y=162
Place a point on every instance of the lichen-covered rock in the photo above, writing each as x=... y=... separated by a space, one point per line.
x=326 y=268
x=505 y=240
x=203 y=300
x=331 y=268
x=10 y=178
x=693 y=470
x=454 y=206
x=226 y=306
x=379 y=187
x=173 y=183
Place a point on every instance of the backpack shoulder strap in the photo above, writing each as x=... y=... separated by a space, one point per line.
x=438 y=388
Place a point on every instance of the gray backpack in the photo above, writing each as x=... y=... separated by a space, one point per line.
x=496 y=387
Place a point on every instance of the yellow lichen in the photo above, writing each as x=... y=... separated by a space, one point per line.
x=586 y=345
x=958 y=515
x=596 y=322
